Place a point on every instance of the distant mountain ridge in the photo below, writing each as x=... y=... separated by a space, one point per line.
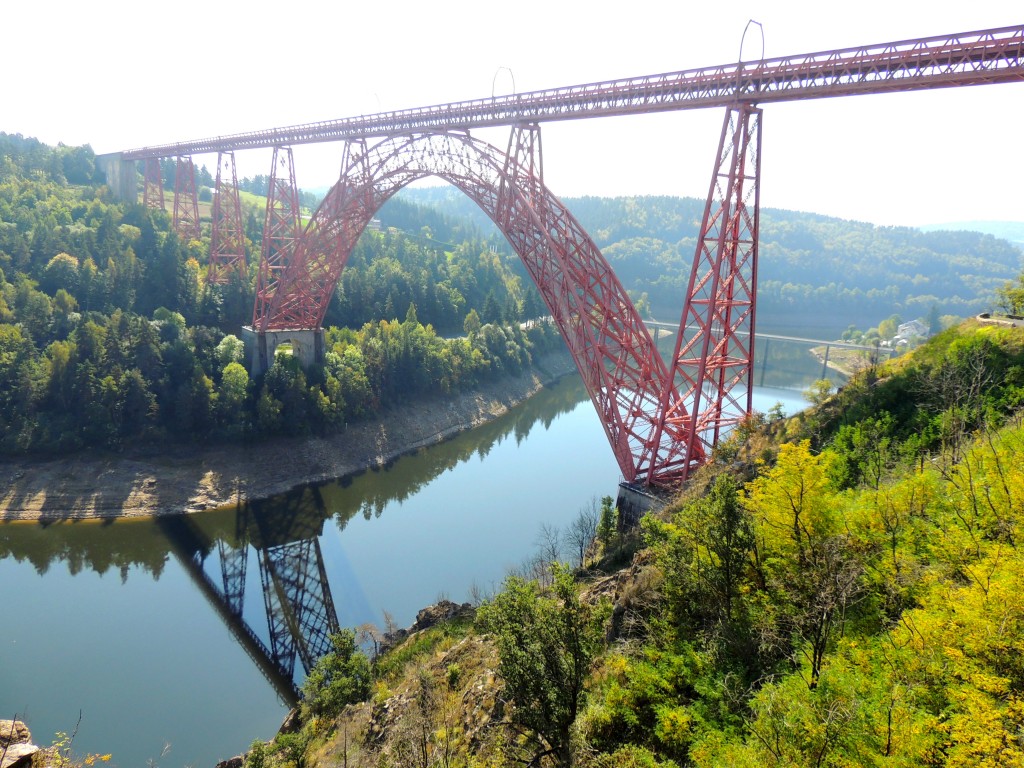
x=816 y=272
x=1012 y=231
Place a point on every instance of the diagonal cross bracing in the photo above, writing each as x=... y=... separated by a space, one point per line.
x=153 y=192
x=300 y=609
x=661 y=421
x=621 y=368
x=227 y=236
x=280 y=230
x=712 y=364
x=186 y=201
x=965 y=58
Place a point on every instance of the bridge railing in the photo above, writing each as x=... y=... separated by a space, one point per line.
x=967 y=58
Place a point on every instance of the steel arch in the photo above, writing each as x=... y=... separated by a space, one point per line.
x=623 y=372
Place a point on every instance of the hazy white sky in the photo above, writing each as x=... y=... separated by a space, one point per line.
x=117 y=74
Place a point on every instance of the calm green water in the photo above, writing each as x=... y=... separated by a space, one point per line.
x=119 y=621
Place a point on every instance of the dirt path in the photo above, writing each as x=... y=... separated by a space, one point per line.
x=190 y=479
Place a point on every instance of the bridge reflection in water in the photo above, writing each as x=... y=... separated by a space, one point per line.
x=435 y=523
x=286 y=631
x=283 y=535
x=261 y=568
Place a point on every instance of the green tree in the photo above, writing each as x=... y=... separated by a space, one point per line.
x=533 y=305
x=546 y=643
x=819 y=392
x=340 y=677
x=34 y=309
x=163 y=276
x=1010 y=297
x=137 y=406
x=705 y=557
x=230 y=349
x=803 y=554
x=888 y=327
x=64 y=311
x=472 y=325
x=268 y=413
x=491 y=312
x=61 y=272
x=232 y=396
x=608 y=523
x=16 y=385
x=90 y=285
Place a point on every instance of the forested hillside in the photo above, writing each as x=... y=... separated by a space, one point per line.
x=1012 y=231
x=814 y=270
x=109 y=335
x=843 y=588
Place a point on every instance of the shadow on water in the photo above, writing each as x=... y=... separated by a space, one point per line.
x=378 y=487
x=290 y=626
x=282 y=536
x=271 y=548
x=261 y=570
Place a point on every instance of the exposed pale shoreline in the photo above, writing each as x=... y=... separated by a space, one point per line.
x=184 y=479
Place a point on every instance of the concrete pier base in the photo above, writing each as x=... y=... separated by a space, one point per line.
x=122 y=178
x=261 y=347
x=634 y=502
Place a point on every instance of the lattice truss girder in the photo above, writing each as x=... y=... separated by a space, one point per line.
x=302 y=294
x=297 y=596
x=234 y=566
x=186 y=201
x=227 y=234
x=623 y=372
x=713 y=360
x=280 y=232
x=965 y=58
x=618 y=361
x=153 y=191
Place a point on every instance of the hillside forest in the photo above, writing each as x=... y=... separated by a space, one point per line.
x=104 y=308
x=109 y=335
x=841 y=588
x=817 y=274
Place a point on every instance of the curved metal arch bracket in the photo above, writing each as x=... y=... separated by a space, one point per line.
x=620 y=365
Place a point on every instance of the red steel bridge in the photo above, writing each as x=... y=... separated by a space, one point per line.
x=661 y=418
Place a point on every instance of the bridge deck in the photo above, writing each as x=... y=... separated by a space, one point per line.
x=968 y=58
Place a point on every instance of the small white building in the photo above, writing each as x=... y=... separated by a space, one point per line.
x=907 y=331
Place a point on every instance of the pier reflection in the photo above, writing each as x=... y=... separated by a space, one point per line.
x=283 y=537
x=260 y=565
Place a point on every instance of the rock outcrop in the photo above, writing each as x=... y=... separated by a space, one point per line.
x=445 y=610
x=16 y=747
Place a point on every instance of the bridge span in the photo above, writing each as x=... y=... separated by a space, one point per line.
x=798 y=376
x=662 y=418
x=965 y=58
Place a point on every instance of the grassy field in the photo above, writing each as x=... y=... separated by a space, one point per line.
x=248 y=201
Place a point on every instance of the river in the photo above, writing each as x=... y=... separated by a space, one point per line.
x=110 y=625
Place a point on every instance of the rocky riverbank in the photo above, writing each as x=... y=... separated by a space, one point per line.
x=159 y=481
